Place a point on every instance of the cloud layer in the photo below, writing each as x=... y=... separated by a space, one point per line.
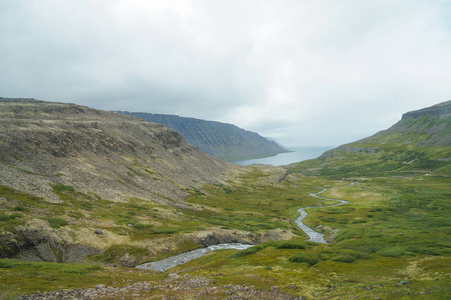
x=302 y=72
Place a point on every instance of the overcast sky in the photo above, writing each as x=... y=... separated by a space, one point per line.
x=303 y=72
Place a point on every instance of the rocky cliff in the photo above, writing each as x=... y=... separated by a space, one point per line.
x=224 y=141
x=438 y=110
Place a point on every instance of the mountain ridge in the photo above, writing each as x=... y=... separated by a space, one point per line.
x=64 y=131
x=443 y=108
x=222 y=140
x=432 y=122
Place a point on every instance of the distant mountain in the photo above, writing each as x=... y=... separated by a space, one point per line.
x=224 y=141
x=419 y=142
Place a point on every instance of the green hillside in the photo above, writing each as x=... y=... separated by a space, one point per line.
x=419 y=143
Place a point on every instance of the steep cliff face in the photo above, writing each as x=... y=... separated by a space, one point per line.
x=419 y=142
x=438 y=110
x=224 y=141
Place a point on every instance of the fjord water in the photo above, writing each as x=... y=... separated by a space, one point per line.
x=297 y=154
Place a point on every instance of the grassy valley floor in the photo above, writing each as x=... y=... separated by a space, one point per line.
x=391 y=241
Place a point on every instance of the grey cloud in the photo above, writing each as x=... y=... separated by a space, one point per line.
x=303 y=72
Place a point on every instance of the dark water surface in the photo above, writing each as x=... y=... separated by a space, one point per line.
x=298 y=154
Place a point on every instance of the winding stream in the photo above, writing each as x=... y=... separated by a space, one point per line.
x=314 y=235
x=170 y=262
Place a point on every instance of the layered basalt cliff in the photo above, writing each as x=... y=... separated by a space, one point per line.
x=224 y=141
x=437 y=110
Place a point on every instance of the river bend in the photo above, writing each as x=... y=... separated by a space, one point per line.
x=314 y=235
x=170 y=262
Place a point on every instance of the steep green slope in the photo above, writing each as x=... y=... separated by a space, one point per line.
x=420 y=142
x=224 y=141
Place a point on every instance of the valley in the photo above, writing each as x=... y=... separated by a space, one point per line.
x=87 y=195
x=372 y=251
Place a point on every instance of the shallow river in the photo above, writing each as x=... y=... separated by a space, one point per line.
x=314 y=235
x=170 y=262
